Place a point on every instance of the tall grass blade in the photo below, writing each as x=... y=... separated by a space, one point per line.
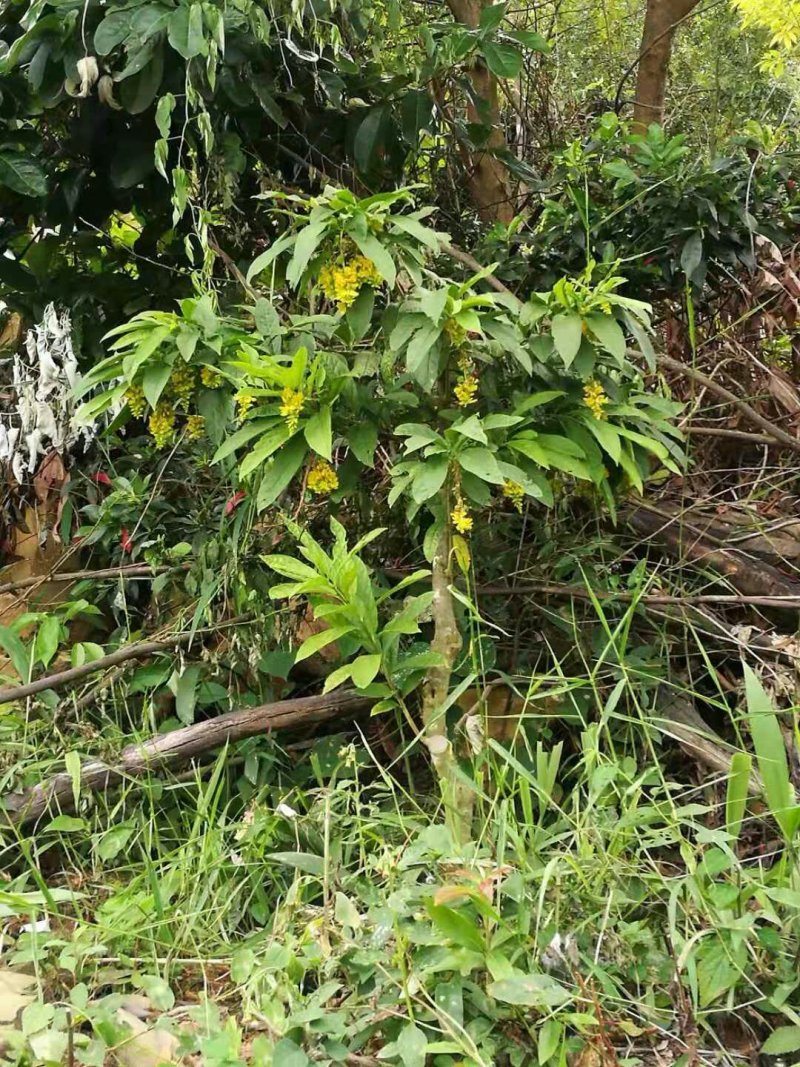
x=771 y=755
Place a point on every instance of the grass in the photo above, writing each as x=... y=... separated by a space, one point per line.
x=307 y=904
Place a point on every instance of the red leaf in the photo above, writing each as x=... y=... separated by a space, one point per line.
x=125 y=540
x=101 y=478
x=234 y=501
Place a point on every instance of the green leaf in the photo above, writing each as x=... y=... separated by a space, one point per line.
x=48 y=636
x=252 y=428
x=567 y=334
x=609 y=333
x=491 y=16
x=364 y=668
x=432 y=303
x=186 y=30
x=412 y=1046
x=340 y=675
x=318 y=433
x=369 y=138
x=482 y=463
x=154 y=379
x=784 y=1039
x=280 y=471
x=736 y=794
x=503 y=60
x=306 y=862
x=308 y=241
x=264 y=448
x=530 y=39
x=692 y=254
x=422 y=355
x=363 y=440
x=771 y=754
x=138 y=92
x=371 y=247
x=17 y=652
x=113 y=841
x=111 y=31
x=429 y=478
x=456 y=927
x=186 y=693
x=66 y=824
x=416 y=110
x=321 y=640
x=72 y=761
x=359 y=314
x=530 y=991
x=22 y=174
x=471 y=427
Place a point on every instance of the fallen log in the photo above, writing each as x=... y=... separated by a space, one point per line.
x=679 y=719
x=685 y=542
x=177 y=747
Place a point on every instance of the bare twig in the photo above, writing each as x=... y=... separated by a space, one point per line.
x=132 y=570
x=128 y=652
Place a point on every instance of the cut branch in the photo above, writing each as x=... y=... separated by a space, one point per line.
x=179 y=746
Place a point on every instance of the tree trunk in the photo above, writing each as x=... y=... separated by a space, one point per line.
x=489 y=183
x=660 y=24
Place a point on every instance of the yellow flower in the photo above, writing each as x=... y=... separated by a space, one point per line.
x=461 y=518
x=595 y=399
x=341 y=282
x=195 y=427
x=181 y=383
x=292 y=401
x=514 y=492
x=244 y=401
x=135 y=400
x=466 y=390
x=322 y=478
x=210 y=377
x=162 y=423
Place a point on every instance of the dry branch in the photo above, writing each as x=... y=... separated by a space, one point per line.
x=178 y=747
x=137 y=650
x=132 y=570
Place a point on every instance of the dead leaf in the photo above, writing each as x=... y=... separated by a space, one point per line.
x=783 y=390
x=16 y=992
x=50 y=477
x=145 y=1046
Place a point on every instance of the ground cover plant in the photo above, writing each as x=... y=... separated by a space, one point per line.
x=399 y=430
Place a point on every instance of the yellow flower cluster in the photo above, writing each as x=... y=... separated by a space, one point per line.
x=455 y=332
x=244 y=401
x=341 y=282
x=211 y=378
x=461 y=518
x=595 y=399
x=162 y=423
x=514 y=492
x=181 y=383
x=466 y=390
x=322 y=478
x=195 y=427
x=135 y=400
x=292 y=401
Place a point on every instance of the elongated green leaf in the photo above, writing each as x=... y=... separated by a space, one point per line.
x=364 y=668
x=456 y=927
x=318 y=432
x=609 y=333
x=530 y=991
x=306 y=862
x=186 y=693
x=321 y=640
x=736 y=794
x=48 y=636
x=308 y=241
x=371 y=247
x=252 y=428
x=263 y=449
x=368 y=139
x=280 y=471
x=154 y=379
x=771 y=754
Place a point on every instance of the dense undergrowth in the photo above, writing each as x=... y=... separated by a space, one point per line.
x=400 y=657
